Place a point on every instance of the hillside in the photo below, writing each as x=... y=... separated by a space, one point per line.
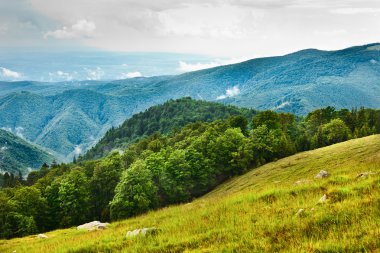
x=297 y=83
x=163 y=119
x=66 y=123
x=18 y=155
x=256 y=212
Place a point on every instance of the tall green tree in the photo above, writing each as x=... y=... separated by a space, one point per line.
x=135 y=193
x=74 y=197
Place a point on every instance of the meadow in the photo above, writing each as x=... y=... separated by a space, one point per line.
x=256 y=212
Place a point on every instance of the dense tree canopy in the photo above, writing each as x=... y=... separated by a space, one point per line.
x=163 y=169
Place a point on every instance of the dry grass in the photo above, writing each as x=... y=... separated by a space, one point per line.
x=256 y=212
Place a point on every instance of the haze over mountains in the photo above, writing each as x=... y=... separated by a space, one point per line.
x=69 y=117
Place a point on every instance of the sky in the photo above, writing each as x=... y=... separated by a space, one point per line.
x=226 y=31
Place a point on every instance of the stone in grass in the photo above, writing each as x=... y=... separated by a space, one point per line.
x=323 y=199
x=42 y=236
x=93 y=225
x=301 y=212
x=322 y=174
x=142 y=232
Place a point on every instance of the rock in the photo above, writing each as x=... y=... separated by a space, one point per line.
x=322 y=174
x=365 y=175
x=93 y=225
x=301 y=212
x=42 y=236
x=142 y=232
x=323 y=199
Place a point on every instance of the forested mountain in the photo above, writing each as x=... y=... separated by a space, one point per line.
x=166 y=169
x=18 y=156
x=163 y=119
x=77 y=114
x=66 y=123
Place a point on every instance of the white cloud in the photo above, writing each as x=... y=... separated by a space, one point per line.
x=77 y=150
x=353 y=11
x=60 y=76
x=81 y=29
x=282 y=105
x=130 y=75
x=19 y=132
x=212 y=21
x=188 y=67
x=7 y=129
x=94 y=74
x=231 y=92
x=7 y=73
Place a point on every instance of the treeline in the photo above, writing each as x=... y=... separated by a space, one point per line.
x=164 y=118
x=160 y=170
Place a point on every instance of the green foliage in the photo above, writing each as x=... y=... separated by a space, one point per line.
x=335 y=131
x=166 y=118
x=165 y=169
x=73 y=195
x=268 y=118
x=105 y=177
x=255 y=212
x=135 y=194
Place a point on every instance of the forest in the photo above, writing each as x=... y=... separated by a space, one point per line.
x=168 y=168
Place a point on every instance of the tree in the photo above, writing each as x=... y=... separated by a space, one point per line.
x=335 y=131
x=175 y=178
x=29 y=202
x=106 y=175
x=239 y=122
x=135 y=193
x=18 y=225
x=228 y=150
x=268 y=118
x=260 y=144
x=73 y=195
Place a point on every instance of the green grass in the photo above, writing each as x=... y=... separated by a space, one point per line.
x=255 y=212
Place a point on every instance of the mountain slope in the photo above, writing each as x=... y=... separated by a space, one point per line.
x=65 y=123
x=164 y=118
x=297 y=83
x=256 y=212
x=17 y=155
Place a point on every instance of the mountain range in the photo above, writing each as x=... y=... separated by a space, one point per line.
x=69 y=117
x=19 y=156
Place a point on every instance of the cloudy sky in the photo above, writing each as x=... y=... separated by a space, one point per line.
x=233 y=28
x=223 y=29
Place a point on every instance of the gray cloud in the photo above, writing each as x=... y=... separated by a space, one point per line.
x=217 y=27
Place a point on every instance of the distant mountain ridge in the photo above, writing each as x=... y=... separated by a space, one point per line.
x=70 y=117
x=17 y=155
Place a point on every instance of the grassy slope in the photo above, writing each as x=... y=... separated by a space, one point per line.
x=256 y=212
